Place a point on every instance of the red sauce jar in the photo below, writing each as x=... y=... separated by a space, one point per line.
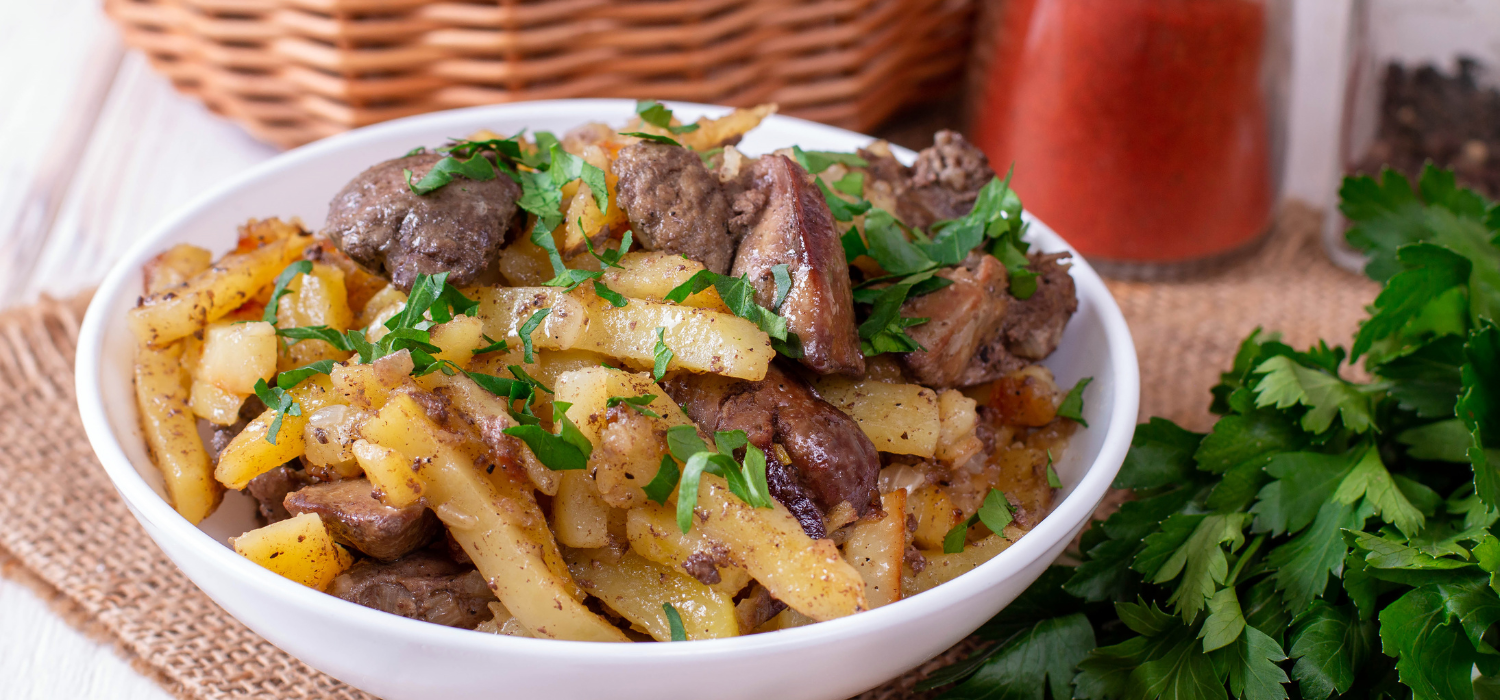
x=1146 y=132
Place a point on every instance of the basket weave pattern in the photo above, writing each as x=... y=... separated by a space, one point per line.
x=292 y=71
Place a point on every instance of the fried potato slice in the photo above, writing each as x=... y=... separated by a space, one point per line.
x=161 y=394
x=496 y=527
x=877 y=548
x=213 y=293
x=637 y=589
x=899 y=418
x=249 y=455
x=299 y=548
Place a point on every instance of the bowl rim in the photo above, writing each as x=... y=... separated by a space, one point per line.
x=155 y=512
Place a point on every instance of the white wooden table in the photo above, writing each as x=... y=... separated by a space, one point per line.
x=94 y=149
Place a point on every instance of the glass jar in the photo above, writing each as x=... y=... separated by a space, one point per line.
x=1149 y=133
x=1423 y=85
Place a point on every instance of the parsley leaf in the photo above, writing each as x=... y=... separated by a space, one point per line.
x=1072 y=404
x=816 y=162
x=1429 y=271
x=665 y=481
x=1042 y=657
x=1329 y=643
x=301 y=267
x=674 y=619
x=477 y=168
x=278 y=400
x=1286 y=383
x=527 y=329
x=292 y=377
x=668 y=140
x=639 y=403
x=783 y=281
x=1370 y=479
x=747 y=481
x=841 y=209
x=738 y=294
x=1434 y=656
x=994 y=512
x=1479 y=408
x=656 y=114
x=663 y=355
x=852 y=184
x=566 y=450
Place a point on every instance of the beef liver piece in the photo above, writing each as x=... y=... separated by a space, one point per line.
x=271 y=488
x=355 y=517
x=1031 y=328
x=796 y=229
x=675 y=203
x=379 y=222
x=941 y=184
x=964 y=316
x=831 y=458
x=424 y=585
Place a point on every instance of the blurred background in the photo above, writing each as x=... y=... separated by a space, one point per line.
x=1163 y=138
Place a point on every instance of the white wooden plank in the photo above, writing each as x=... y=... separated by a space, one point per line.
x=42 y=657
x=152 y=151
x=57 y=59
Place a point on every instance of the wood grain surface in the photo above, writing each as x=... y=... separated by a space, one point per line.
x=94 y=149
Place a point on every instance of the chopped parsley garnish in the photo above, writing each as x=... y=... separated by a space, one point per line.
x=566 y=450
x=674 y=622
x=466 y=159
x=783 y=280
x=431 y=295
x=817 y=161
x=639 y=403
x=570 y=279
x=665 y=481
x=494 y=346
x=1052 y=480
x=528 y=352
x=746 y=480
x=994 y=513
x=656 y=114
x=659 y=138
x=842 y=209
x=278 y=400
x=662 y=354
x=739 y=296
x=301 y=267
x=1072 y=403
x=292 y=377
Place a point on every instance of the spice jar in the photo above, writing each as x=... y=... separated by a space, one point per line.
x=1423 y=86
x=1149 y=133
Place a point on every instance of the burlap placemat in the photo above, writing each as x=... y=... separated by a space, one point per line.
x=64 y=530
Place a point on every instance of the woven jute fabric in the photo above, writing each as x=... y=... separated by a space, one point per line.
x=64 y=530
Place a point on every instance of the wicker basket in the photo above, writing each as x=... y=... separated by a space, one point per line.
x=292 y=71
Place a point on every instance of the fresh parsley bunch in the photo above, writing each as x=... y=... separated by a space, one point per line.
x=1326 y=537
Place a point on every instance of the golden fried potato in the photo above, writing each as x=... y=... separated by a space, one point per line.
x=877 y=548
x=496 y=529
x=174 y=267
x=161 y=395
x=299 y=548
x=210 y=295
x=898 y=418
x=637 y=588
x=249 y=455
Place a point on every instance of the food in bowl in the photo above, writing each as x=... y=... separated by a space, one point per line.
x=622 y=385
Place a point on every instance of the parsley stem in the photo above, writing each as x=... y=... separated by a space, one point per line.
x=1245 y=557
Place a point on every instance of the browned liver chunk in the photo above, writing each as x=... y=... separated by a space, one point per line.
x=675 y=203
x=355 y=517
x=424 y=585
x=796 y=229
x=379 y=222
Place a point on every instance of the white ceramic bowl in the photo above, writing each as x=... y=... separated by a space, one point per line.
x=397 y=658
